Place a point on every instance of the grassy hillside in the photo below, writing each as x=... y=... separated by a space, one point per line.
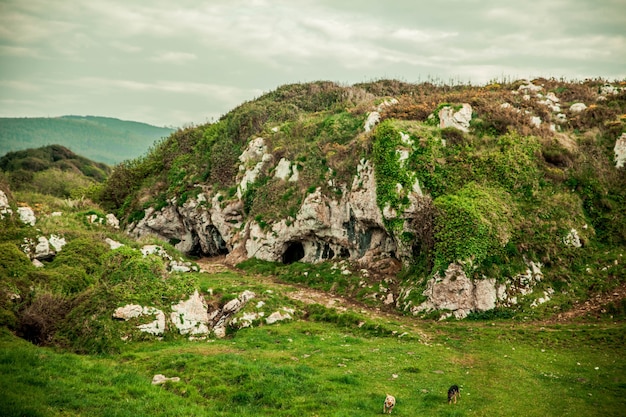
x=102 y=139
x=53 y=170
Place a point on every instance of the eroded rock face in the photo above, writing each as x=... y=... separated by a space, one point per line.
x=325 y=228
x=351 y=227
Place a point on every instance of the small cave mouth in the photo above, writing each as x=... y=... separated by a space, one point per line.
x=293 y=253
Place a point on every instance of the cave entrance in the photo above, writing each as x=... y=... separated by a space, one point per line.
x=293 y=253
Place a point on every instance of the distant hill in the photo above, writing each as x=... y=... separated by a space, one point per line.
x=101 y=139
x=53 y=170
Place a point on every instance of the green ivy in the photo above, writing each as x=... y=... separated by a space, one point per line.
x=471 y=225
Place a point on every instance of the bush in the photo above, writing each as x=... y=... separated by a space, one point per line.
x=39 y=322
x=471 y=225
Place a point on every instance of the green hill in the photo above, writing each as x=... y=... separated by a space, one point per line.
x=52 y=169
x=518 y=202
x=101 y=139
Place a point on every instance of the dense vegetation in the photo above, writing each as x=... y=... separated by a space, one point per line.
x=101 y=139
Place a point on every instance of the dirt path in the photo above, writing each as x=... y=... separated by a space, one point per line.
x=594 y=306
x=311 y=296
x=296 y=292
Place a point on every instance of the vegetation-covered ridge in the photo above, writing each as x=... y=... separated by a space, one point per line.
x=531 y=178
x=101 y=139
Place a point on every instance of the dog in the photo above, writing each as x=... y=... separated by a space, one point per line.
x=389 y=403
x=453 y=393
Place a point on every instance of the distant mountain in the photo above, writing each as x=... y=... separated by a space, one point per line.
x=101 y=139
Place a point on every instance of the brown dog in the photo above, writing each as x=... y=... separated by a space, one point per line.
x=453 y=393
x=389 y=403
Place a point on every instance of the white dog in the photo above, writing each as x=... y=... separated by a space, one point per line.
x=389 y=403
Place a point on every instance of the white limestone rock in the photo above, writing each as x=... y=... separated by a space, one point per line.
x=27 y=215
x=113 y=244
x=577 y=107
x=5 y=208
x=112 y=221
x=160 y=379
x=190 y=317
x=283 y=169
x=277 y=316
x=459 y=119
x=572 y=239
x=57 y=242
x=220 y=318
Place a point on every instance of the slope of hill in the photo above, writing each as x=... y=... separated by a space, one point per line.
x=101 y=139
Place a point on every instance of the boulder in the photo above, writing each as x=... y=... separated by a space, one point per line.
x=113 y=244
x=112 y=221
x=42 y=249
x=459 y=119
x=160 y=379
x=458 y=294
x=57 y=242
x=27 y=215
x=577 y=107
x=190 y=317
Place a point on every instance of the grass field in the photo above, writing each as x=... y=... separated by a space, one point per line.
x=312 y=367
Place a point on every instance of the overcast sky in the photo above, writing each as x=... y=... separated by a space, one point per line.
x=190 y=61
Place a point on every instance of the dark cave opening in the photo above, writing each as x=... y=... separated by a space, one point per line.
x=293 y=253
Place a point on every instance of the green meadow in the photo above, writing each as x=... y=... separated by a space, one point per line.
x=330 y=363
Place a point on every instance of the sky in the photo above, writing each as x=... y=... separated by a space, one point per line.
x=188 y=62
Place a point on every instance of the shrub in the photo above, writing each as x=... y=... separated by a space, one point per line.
x=39 y=322
x=471 y=224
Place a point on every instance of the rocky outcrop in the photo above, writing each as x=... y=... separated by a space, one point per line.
x=44 y=249
x=220 y=318
x=189 y=317
x=352 y=227
x=5 y=208
x=458 y=294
